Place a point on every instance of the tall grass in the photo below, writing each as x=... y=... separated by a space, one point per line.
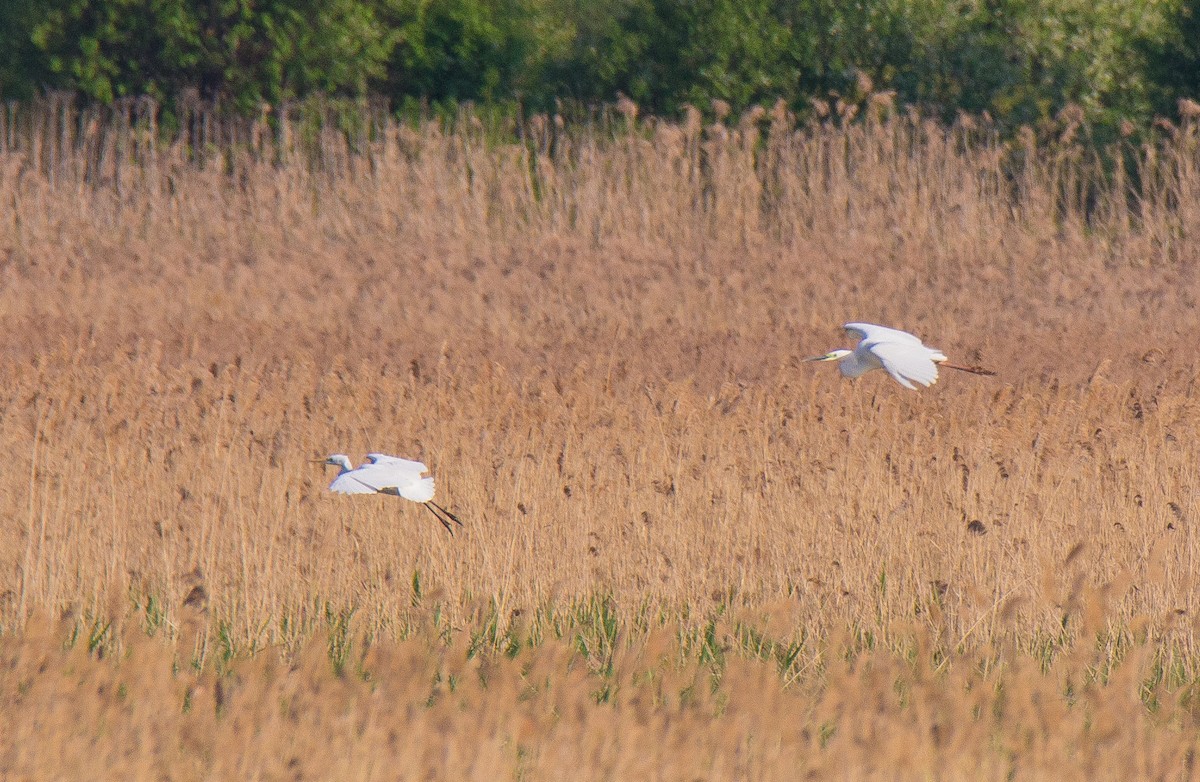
x=420 y=707
x=592 y=334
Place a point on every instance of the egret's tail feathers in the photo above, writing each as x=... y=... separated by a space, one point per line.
x=961 y=368
x=419 y=491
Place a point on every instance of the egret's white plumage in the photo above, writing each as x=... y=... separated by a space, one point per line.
x=901 y=354
x=383 y=474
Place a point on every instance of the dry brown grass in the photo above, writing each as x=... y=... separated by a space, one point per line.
x=422 y=709
x=593 y=339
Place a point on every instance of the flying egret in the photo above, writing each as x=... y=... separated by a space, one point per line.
x=383 y=474
x=903 y=356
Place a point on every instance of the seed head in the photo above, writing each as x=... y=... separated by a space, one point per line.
x=1188 y=108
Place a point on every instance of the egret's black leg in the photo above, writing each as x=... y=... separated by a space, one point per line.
x=441 y=521
x=448 y=513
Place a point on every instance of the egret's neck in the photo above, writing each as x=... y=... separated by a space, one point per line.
x=853 y=364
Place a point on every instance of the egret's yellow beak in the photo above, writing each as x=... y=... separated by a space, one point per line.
x=826 y=357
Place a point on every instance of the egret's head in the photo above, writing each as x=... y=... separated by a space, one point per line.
x=832 y=355
x=338 y=460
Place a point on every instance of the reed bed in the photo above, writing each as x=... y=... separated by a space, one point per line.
x=676 y=531
x=421 y=708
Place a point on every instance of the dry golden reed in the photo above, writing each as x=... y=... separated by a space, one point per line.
x=419 y=708
x=686 y=554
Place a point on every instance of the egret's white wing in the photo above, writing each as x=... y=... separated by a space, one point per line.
x=352 y=482
x=871 y=333
x=393 y=474
x=418 y=491
x=906 y=362
x=370 y=478
x=383 y=458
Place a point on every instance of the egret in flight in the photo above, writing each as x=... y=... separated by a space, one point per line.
x=383 y=474
x=903 y=356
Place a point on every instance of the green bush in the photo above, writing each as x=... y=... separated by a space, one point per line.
x=1020 y=60
x=237 y=49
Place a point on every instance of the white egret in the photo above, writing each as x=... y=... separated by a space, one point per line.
x=383 y=474
x=903 y=355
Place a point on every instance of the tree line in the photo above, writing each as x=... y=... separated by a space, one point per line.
x=1018 y=60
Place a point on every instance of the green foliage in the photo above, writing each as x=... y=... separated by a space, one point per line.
x=605 y=47
x=1020 y=60
x=237 y=49
x=739 y=52
x=1173 y=59
x=1077 y=51
x=456 y=50
x=663 y=53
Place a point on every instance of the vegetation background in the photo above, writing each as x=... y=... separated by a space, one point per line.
x=1021 y=61
x=237 y=236
x=687 y=554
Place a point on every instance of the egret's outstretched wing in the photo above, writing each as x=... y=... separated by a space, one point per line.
x=907 y=362
x=383 y=458
x=409 y=479
x=353 y=482
x=402 y=477
x=869 y=332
